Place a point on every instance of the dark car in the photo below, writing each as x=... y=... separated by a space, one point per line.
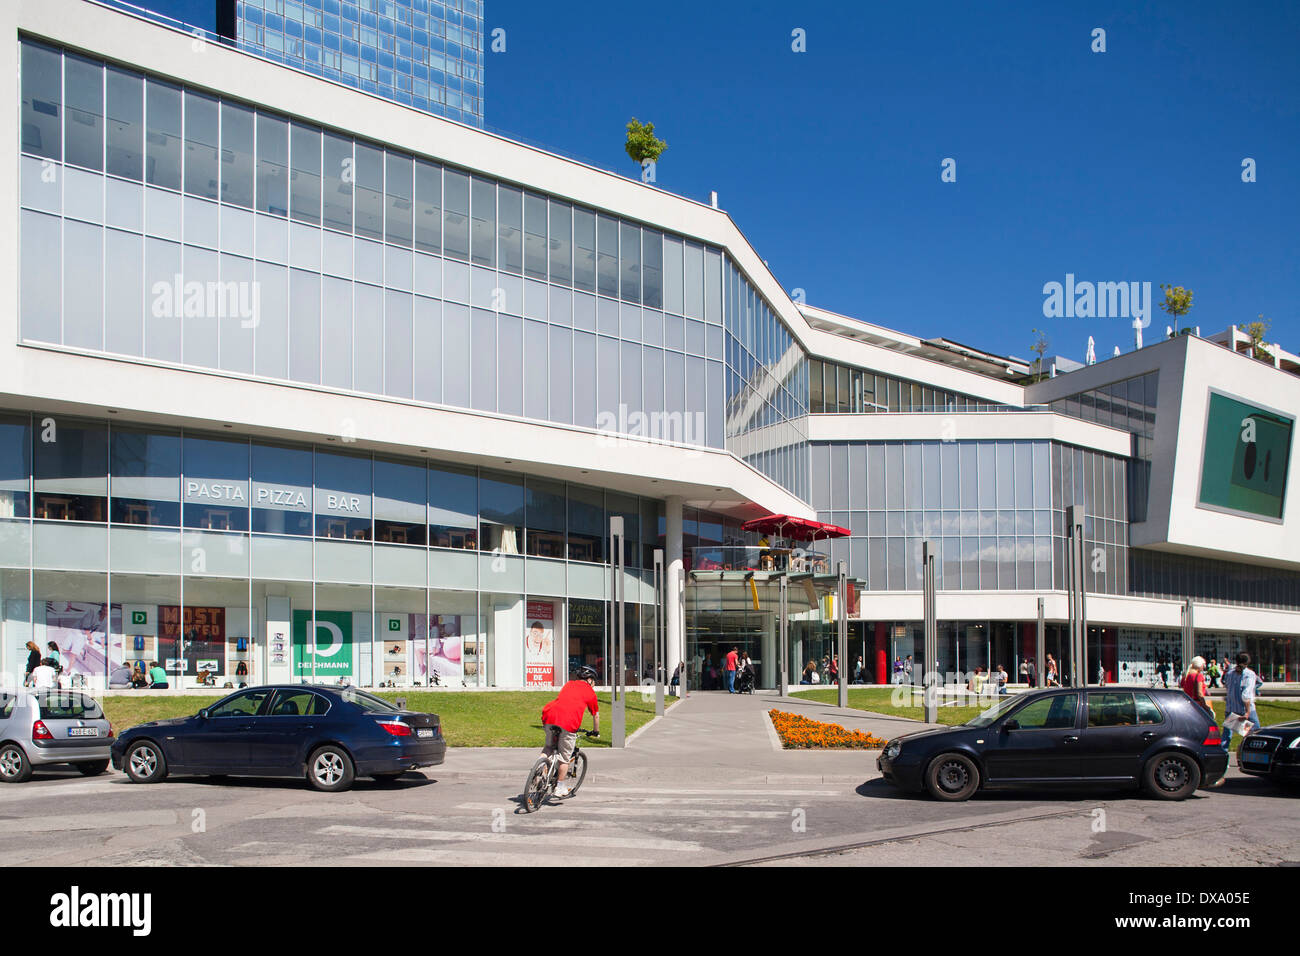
x=1272 y=752
x=1159 y=740
x=330 y=735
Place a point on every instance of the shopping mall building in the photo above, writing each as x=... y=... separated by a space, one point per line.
x=301 y=383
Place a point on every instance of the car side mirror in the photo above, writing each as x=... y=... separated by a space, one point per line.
x=1012 y=724
x=203 y=714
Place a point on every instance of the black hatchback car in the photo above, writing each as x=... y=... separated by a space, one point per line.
x=1272 y=752
x=1159 y=740
x=331 y=735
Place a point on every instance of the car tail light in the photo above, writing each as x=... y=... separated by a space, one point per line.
x=41 y=732
x=110 y=730
x=1212 y=739
x=396 y=728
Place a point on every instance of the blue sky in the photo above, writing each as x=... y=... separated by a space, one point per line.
x=1116 y=166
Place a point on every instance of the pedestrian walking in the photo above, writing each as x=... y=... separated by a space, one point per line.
x=1213 y=673
x=1051 y=678
x=907 y=670
x=1193 y=684
x=732 y=657
x=1024 y=672
x=1241 y=686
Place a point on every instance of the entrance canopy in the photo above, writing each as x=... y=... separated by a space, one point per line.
x=795 y=528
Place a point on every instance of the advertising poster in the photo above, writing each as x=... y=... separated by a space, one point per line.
x=440 y=655
x=79 y=630
x=395 y=664
x=329 y=655
x=539 y=644
x=193 y=643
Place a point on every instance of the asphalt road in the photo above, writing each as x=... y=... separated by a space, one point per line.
x=444 y=817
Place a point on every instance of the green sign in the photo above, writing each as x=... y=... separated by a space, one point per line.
x=139 y=617
x=1247 y=453
x=332 y=651
x=394 y=623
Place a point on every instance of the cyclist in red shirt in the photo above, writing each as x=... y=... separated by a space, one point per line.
x=563 y=717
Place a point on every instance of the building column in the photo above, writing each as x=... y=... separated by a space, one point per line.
x=674 y=584
x=882 y=653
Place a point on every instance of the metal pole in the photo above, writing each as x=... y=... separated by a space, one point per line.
x=617 y=707
x=658 y=637
x=842 y=619
x=783 y=632
x=1038 y=644
x=931 y=637
x=1189 y=633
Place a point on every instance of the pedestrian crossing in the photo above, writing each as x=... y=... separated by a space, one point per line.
x=602 y=826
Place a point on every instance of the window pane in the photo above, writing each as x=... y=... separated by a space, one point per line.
x=201 y=146
x=510 y=229
x=42 y=99
x=561 y=243
x=630 y=260
x=272 y=165
x=84 y=86
x=216 y=484
x=455 y=219
x=400 y=492
x=535 y=237
x=397 y=190
x=126 y=124
x=607 y=255
x=584 y=250
x=544 y=512
x=428 y=207
x=484 y=209
x=369 y=192
x=15 y=467
x=236 y=153
x=336 y=178
x=163 y=136
x=453 y=508
x=342 y=496
x=145 y=485
x=282 y=489
x=652 y=268
x=304 y=179
x=673 y=275
x=70 y=471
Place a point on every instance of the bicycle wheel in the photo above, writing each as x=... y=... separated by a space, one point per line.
x=577 y=772
x=538 y=785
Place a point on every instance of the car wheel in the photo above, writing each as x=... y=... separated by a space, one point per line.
x=329 y=768
x=93 y=769
x=14 y=765
x=952 y=777
x=1171 y=776
x=145 y=763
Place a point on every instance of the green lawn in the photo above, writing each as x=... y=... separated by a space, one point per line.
x=497 y=719
x=880 y=700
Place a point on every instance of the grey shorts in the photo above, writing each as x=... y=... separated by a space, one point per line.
x=557 y=738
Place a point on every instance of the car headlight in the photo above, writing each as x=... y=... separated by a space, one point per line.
x=894 y=748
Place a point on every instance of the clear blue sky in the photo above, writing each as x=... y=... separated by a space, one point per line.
x=1115 y=166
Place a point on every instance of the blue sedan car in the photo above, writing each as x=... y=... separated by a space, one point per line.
x=329 y=735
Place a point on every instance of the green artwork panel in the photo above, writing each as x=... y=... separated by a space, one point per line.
x=1247 y=452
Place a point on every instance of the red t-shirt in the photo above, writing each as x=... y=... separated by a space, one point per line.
x=567 y=710
x=731 y=660
x=1193 y=683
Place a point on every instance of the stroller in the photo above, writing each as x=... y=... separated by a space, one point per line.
x=745 y=680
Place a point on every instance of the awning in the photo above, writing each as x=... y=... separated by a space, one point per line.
x=795 y=528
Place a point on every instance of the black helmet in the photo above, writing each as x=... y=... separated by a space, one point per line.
x=586 y=672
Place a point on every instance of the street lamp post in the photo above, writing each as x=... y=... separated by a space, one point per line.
x=618 y=720
x=658 y=635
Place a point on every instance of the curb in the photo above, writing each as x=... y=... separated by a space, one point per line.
x=772 y=737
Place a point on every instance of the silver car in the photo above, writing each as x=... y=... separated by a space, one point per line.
x=42 y=727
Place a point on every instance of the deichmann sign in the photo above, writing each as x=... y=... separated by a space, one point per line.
x=1247 y=455
x=329 y=652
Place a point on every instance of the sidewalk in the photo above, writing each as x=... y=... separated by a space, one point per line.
x=710 y=739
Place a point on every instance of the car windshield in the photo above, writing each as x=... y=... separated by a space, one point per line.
x=372 y=704
x=993 y=713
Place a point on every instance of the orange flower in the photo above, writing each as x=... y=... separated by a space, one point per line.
x=800 y=733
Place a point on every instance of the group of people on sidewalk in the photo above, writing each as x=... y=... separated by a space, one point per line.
x=1241 y=686
x=732 y=673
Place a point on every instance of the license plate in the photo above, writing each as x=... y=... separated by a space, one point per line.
x=423 y=731
x=83 y=732
x=1261 y=759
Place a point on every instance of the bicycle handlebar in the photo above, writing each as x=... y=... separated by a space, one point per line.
x=591 y=733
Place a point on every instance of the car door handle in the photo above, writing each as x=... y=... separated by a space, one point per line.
x=1070 y=739
x=1149 y=735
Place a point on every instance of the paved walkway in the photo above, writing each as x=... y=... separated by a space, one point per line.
x=710 y=738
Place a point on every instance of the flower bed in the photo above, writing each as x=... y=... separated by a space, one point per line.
x=800 y=733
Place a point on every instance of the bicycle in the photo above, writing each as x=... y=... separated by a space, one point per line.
x=541 y=782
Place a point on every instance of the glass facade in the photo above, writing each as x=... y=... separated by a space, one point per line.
x=994 y=510
x=201 y=232
x=1178 y=577
x=1131 y=405
x=214 y=553
x=842 y=389
x=422 y=53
